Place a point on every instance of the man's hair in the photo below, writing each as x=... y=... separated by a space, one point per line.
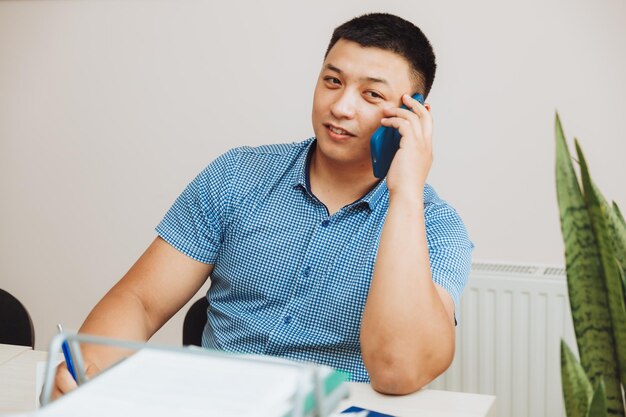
x=392 y=33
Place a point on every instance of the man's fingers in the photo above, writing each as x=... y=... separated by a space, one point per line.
x=63 y=382
x=418 y=115
x=397 y=122
x=404 y=126
x=415 y=106
x=398 y=112
x=91 y=371
x=56 y=393
x=427 y=121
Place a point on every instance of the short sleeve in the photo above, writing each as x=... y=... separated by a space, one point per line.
x=450 y=249
x=195 y=222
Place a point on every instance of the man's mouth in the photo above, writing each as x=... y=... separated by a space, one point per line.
x=338 y=131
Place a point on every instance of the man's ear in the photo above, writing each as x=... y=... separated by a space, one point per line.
x=427 y=105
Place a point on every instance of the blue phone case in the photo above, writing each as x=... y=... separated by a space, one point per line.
x=384 y=144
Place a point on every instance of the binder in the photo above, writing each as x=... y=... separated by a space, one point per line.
x=160 y=380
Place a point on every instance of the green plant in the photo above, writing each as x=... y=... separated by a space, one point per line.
x=594 y=233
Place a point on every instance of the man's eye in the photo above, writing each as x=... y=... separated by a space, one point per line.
x=373 y=94
x=332 y=80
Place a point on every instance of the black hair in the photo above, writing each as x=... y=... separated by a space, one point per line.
x=392 y=33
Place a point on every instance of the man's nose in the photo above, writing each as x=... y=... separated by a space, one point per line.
x=344 y=106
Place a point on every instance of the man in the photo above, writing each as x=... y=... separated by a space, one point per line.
x=311 y=257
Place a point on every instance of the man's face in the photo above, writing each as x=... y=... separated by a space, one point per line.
x=354 y=86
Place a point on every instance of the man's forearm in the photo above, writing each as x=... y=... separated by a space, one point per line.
x=118 y=315
x=407 y=336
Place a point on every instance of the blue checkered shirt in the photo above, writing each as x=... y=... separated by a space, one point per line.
x=290 y=280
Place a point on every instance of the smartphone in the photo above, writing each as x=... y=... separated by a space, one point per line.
x=384 y=144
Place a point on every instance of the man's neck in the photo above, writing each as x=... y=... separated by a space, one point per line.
x=339 y=184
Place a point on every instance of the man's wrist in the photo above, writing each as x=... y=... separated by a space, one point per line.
x=412 y=200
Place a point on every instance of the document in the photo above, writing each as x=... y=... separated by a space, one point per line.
x=168 y=383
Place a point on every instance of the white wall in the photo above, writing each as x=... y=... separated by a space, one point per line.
x=108 y=108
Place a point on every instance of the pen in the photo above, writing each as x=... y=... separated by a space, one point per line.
x=68 y=355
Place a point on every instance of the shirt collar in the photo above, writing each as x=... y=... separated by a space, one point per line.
x=301 y=167
x=372 y=198
x=301 y=178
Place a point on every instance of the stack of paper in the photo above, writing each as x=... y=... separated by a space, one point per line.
x=186 y=383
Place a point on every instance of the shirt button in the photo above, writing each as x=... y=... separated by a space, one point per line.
x=325 y=223
x=307 y=271
x=287 y=319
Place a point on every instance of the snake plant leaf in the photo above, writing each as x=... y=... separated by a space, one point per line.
x=618 y=231
x=577 y=391
x=618 y=212
x=597 y=408
x=617 y=227
x=622 y=273
x=586 y=288
x=600 y=213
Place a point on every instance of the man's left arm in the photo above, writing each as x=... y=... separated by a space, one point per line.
x=407 y=328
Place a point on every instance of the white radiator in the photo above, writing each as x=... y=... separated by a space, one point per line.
x=508 y=338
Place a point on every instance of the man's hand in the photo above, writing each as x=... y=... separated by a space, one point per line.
x=64 y=382
x=411 y=164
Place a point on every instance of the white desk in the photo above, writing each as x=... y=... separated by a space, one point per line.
x=426 y=402
x=9 y=351
x=18 y=386
x=18 y=380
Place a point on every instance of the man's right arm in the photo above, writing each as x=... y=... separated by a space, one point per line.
x=159 y=284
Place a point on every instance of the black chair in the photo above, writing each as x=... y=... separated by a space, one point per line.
x=195 y=319
x=16 y=327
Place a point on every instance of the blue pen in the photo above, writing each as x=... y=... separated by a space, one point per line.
x=68 y=355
